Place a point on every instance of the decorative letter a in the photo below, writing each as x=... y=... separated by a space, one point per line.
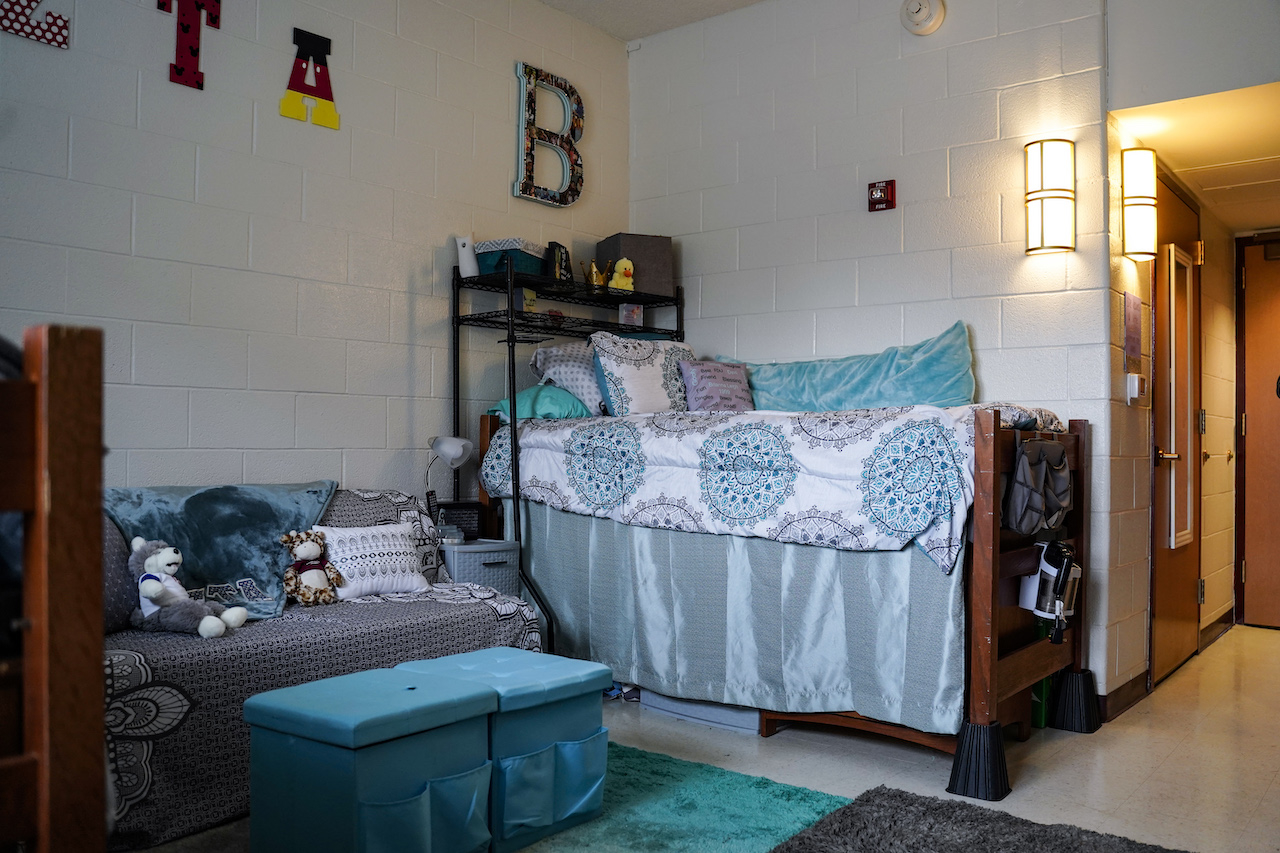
x=561 y=143
x=313 y=52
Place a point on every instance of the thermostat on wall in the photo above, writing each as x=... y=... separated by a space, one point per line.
x=922 y=17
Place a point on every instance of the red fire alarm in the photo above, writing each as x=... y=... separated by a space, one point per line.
x=880 y=196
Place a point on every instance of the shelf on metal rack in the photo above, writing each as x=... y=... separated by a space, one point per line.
x=551 y=324
x=573 y=292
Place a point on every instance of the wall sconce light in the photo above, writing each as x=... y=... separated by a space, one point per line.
x=1051 y=196
x=1138 y=179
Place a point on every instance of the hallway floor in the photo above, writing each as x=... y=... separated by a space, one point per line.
x=1194 y=766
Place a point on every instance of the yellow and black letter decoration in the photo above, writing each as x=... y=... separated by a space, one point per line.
x=313 y=56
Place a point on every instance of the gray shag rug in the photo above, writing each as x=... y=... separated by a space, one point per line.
x=885 y=820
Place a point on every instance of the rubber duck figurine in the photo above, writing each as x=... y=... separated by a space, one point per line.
x=623 y=271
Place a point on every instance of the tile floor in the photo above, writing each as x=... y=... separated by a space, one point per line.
x=1193 y=766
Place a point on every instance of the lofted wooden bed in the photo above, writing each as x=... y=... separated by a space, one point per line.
x=1005 y=654
x=52 y=782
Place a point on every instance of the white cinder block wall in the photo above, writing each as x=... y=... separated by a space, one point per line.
x=275 y=295
x=754 y=136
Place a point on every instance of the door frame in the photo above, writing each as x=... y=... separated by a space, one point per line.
x=1242 y=440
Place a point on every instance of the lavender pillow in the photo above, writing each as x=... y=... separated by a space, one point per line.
x=715 y=386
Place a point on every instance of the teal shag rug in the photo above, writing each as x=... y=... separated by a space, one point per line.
x=662 y=804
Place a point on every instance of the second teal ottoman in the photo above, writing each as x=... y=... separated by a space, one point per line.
x=548 y=747
x=382 y=761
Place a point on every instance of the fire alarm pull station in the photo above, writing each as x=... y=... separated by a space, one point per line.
x=880 y=196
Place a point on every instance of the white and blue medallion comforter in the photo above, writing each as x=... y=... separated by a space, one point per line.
x=861 y=480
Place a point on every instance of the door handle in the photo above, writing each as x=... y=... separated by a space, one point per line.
x=1161 y=456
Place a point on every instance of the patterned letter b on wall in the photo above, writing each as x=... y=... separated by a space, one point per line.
x=561 y=143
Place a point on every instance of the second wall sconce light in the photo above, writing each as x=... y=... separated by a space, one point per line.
x=1138 y=179
x=1051 y=196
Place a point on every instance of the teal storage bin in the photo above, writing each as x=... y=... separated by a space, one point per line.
x=548 y=747
x=382 y=761
x=496 y=261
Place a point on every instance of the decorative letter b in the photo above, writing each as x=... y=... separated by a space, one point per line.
x=561 y=143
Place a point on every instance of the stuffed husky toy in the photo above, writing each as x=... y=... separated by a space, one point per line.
x=163 y=603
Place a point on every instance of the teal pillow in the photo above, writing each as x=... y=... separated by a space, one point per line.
x=542 y=402
x=229 y=535
x=935 y=372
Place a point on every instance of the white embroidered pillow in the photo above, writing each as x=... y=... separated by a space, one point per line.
x=374 y=560
x=640 y=376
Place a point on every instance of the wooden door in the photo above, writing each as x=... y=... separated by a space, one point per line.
x=1175 y=403
x=1261 y=553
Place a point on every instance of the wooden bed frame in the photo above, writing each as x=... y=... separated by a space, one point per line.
x=1006 y=656
x=52 y=765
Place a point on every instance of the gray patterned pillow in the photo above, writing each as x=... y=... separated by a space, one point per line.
x=119 y=590
x=714 y=386
x=365 y=508
x=572 y=367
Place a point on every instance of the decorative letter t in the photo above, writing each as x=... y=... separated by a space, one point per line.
x=186 y=56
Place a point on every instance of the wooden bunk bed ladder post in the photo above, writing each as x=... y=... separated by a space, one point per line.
x=62 y=601
x=1074 y=705
x=979 y=769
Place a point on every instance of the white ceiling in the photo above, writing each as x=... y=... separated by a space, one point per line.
x=1225 y=147
x=633 y=19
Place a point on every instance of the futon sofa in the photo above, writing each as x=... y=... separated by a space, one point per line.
x=177 y=746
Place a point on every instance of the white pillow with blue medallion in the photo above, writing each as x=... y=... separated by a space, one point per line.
x=640 y=376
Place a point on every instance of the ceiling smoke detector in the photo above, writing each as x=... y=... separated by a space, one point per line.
x=921 y=17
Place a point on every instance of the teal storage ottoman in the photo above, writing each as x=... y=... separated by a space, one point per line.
x=546 y=741
x=382 y=761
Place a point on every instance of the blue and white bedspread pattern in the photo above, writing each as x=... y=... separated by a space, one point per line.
x=861 y=480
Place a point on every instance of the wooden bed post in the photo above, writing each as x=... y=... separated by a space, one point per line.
x=1075 y=705
x=979 y=769
x=63 y=746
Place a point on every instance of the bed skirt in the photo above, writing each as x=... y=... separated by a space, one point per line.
x=752 y=622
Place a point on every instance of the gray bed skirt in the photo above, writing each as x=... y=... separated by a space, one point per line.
x=746 y=621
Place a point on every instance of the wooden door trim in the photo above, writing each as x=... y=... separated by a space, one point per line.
x=1241 y=444
x=1242 y=441
x=1175 y=185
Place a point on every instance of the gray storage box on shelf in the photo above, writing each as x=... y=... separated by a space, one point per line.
x=651 y=256
x=487 y=562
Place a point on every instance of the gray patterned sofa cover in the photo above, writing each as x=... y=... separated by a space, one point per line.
x=177 y=746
